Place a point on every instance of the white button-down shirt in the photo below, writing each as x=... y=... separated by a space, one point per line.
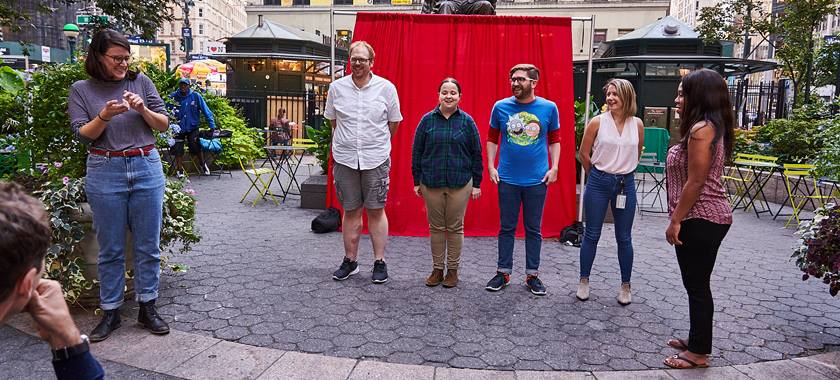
x=362 y=139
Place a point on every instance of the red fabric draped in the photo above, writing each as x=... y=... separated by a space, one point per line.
x=416 y=52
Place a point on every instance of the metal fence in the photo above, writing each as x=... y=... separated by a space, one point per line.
x=756 y=104
x=259 y=106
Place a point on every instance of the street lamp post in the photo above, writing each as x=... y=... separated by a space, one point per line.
x=187 y=40
x=71 y=31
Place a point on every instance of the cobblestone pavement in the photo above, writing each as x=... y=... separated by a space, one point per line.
x=26 y=357
x=262 y=278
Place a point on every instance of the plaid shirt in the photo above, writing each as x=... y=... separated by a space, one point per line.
x=447 y=153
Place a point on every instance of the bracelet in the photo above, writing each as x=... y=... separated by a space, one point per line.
x=105 y=120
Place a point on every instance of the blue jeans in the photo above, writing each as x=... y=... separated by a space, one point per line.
x=532 y=200
x=126 y=193
x=601 y=192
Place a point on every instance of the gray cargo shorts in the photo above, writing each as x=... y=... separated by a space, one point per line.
x=355 y=187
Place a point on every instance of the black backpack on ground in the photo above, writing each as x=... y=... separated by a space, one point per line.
x=572 y=235
x=328 y=221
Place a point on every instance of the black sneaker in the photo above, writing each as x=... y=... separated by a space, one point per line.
x=535 y=285
x=206 y=170
x=346 y=269
x=500 y=281
x=179 y=174
x=380 y=272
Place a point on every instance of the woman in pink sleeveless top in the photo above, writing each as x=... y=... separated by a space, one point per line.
x=615 y=140
x=699 y=211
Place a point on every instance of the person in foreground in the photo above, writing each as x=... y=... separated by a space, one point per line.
x=24 y=239
x=115 y=112
x=447 y=165
x=529 y=129
x=365 y=111
x=615 y=140
x=697 y=204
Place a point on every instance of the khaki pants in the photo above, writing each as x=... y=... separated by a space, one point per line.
x=445 y=209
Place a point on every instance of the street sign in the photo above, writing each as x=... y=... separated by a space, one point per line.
x=198 y=57
x=87 y=19
x=186 y=32
x=213 y=48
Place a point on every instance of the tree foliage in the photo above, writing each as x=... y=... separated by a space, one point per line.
x=794 y=30
x=134 y=17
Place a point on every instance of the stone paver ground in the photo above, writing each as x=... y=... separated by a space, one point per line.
x=260 y=277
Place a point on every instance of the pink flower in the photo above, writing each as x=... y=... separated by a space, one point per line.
x=196 y=202
x=58 y=164
x=65 y=180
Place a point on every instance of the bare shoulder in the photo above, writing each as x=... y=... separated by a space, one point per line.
x=594 y=123
x=702 y=130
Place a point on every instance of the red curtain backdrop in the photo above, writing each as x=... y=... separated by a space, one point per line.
x=416 y=52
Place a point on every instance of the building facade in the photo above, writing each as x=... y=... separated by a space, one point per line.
x=210 y=21
x=612 y=18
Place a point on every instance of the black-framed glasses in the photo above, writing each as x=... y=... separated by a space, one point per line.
x=361 y=60
x=521 y=80
x=119 y=59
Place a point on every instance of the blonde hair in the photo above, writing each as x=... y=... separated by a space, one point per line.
x=365 y=45
x=626 y=93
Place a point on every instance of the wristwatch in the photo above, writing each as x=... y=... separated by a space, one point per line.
x=72 y=351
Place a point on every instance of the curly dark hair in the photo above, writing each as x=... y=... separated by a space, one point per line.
x=102 y=41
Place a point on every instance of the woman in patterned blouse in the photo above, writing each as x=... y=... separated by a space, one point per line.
x=697 y=204
x=446 y=163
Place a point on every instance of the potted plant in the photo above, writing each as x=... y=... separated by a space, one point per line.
x=817 y=253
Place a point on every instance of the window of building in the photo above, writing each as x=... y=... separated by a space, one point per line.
x=600 y=36
x=172 y=28
x=300 y=2
x=341 y=2
x=200 y=28
x=200 y=12
x=201 y=47
x=622 y=32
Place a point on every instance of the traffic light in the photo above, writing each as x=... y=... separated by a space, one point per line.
x=183 y=46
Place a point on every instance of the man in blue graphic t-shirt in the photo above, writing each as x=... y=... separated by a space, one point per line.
x=524 y=129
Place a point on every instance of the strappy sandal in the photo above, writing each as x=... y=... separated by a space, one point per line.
x=677 y=357
x=679 y=344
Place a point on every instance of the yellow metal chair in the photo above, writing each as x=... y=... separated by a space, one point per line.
x=306 y=143
x=246 y=160
x=797 y=196
x=740 y=184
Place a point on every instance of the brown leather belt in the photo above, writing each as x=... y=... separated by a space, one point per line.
x=144 y=151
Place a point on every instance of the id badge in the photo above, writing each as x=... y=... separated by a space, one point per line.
x=620 y=200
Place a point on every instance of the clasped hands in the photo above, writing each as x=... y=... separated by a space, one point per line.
x=130 y=100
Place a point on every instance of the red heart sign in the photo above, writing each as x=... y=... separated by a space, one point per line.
x=213 y=49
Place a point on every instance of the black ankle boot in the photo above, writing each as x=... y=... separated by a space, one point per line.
x=111 y=320
x=149 y=318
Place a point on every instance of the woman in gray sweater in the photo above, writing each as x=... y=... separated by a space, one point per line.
x=114 y=112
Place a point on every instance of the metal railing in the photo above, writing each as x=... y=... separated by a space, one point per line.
x=259 y=106
x=757 y=104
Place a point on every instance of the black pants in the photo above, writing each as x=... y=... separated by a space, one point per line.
x=700 y=242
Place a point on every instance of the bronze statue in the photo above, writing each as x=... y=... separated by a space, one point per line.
x=460 y=7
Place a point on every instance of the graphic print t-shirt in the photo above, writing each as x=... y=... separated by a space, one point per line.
x=523 y=146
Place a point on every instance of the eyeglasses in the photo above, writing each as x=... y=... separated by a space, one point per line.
x=521 y=80
x=119 y=59
x=361 y=60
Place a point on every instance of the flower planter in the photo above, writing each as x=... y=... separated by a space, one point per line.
x=88 y=250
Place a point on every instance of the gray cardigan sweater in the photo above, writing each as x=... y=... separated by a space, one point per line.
x=125 y=131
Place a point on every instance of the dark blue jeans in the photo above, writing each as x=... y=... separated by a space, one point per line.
x=601 y=192
x=531 y=199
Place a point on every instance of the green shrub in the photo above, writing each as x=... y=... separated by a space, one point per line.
x=793 y=140
x=324 y=140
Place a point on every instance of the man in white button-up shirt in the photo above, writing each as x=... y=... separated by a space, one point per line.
x=364 y=111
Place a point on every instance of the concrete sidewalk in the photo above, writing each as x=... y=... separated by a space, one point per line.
x=259 y=302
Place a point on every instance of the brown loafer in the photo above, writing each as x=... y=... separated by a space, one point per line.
x=451 y=278
x=435 y=278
